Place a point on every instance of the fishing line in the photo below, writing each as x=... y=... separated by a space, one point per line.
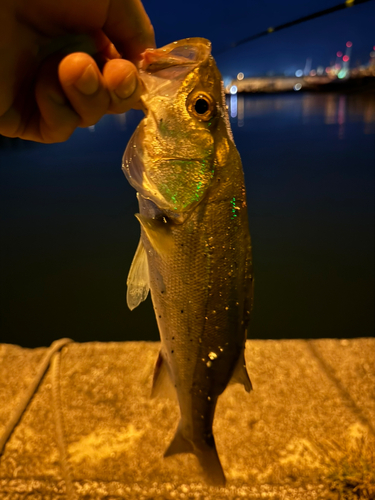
x=320 y=13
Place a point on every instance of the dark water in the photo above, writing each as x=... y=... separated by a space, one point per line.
x=68 y=232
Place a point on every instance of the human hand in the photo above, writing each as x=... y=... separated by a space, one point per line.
x=61 y=65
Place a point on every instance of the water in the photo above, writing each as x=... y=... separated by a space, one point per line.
x=68 y=233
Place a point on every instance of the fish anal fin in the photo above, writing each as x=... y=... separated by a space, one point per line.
x=138 y=278
x=158 y=233
x=240 y=375
x=179 y=444
x=162 y=384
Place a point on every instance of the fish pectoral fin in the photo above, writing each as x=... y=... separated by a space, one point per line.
x=240 y=375
x=138 y=281
x=158 y=233
x=162 y=384
x=179 y=444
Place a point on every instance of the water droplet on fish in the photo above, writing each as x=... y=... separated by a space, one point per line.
x=212 y=355
x=208 y=397
x=200 y=340
x=227 y=308
x=209 y=363
x=221 y=349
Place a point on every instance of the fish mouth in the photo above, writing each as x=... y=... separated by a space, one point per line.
x=186 y=52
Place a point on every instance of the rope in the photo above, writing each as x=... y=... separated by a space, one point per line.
x=345 y=395
x=60 y=434
x=30 y=391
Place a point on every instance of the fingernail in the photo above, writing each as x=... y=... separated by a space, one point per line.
x=88 y=82
x=127 y=86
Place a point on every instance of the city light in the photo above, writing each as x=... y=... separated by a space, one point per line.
x=339 y=68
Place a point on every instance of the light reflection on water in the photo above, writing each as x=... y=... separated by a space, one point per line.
x=335 y=108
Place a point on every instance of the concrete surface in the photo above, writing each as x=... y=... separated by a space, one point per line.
x=305 y=432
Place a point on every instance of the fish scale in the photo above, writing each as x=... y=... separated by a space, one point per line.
x=195 y=252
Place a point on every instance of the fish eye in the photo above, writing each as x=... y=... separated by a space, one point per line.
x=202 y=106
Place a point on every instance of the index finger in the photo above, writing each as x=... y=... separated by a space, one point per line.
x=129 y=28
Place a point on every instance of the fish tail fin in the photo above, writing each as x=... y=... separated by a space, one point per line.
x=179 y=444
x=211 y=465
x=206 y=454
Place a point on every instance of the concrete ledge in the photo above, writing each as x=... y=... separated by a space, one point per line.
x=305 y=432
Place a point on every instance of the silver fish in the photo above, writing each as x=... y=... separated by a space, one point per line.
x=195 y=251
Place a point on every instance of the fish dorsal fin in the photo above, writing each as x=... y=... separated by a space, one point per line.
x=162 y=384
x=240 y=375
x=138 y=279
x=158 y=233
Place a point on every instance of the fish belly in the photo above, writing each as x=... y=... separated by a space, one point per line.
x=200 y=292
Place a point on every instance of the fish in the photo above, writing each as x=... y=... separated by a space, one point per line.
x=194 y=253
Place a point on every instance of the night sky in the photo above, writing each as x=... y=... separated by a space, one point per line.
x=225 y=22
